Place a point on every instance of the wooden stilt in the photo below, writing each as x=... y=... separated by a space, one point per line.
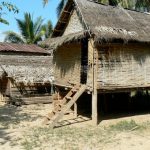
x=75 y=110
x=1 y=97
x=94 y=108
x=94 y=82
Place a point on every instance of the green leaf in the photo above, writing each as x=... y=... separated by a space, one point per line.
x=4 y=21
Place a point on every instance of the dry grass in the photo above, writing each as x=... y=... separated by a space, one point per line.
x=19 y=130
x=75 y=138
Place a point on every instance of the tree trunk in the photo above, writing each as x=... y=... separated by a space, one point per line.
x=113 y=2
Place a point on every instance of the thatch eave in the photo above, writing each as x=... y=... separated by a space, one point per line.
x=54 y=43
x=118 y=35
x=27 y=70
x=28 y=74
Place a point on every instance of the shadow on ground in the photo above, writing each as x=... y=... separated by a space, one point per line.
x=10 y=119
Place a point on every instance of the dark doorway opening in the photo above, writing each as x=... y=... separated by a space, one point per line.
x=84 y=60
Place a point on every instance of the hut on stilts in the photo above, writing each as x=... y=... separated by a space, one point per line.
x=98 y=49
x=26 y=74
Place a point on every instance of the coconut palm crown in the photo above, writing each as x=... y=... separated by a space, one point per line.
x=31 y=32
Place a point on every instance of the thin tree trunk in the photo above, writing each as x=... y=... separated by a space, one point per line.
x=113 y=2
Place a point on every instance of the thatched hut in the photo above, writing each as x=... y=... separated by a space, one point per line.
x=26 y=73
x=105 y=47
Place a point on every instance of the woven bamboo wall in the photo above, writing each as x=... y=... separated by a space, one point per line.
x=123 y=67
x=74 y=24
x=67 y=62
x=27 y=69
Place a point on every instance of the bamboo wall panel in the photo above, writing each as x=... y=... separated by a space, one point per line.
x=74 y=25
x=27 y=69
x=19 y=60
x=67 y=63
x=124 y=67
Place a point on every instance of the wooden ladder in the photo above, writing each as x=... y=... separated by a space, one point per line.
x=68 y=101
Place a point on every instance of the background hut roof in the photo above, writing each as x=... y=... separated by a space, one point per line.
x=107 y=23
x=28 y=70
x=25 y=48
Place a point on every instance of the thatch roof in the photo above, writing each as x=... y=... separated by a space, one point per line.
x=22 y=48
x=29 y=74
x=53 y=43
x=27 y=70
x=107 y=23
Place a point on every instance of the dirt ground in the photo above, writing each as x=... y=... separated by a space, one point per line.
x=21 y=128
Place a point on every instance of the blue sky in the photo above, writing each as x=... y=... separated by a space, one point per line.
x=35 y=7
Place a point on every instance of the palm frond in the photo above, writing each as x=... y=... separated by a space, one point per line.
x=60 y=7
x=47 y=28
x=4 y=21
x=45 y=2
x=22 y=28
x=38 y=37
x=13 y=37
x=38 y=25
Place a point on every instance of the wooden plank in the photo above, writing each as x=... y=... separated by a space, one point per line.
x=67 y=12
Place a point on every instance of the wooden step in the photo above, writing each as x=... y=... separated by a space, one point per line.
x=65 y=105
x=74 y=90
x=68 y=98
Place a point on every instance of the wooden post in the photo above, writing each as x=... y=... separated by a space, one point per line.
x=75 y=110
x=94 y=53
x=1 y=97
x=94 y=108
x=1 y=93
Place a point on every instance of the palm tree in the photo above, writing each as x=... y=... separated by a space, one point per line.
x=31 y=32
x=142 y=5
x=47 y=28
x=59 y=7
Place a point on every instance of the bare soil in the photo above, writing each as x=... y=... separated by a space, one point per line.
x=21 y=128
